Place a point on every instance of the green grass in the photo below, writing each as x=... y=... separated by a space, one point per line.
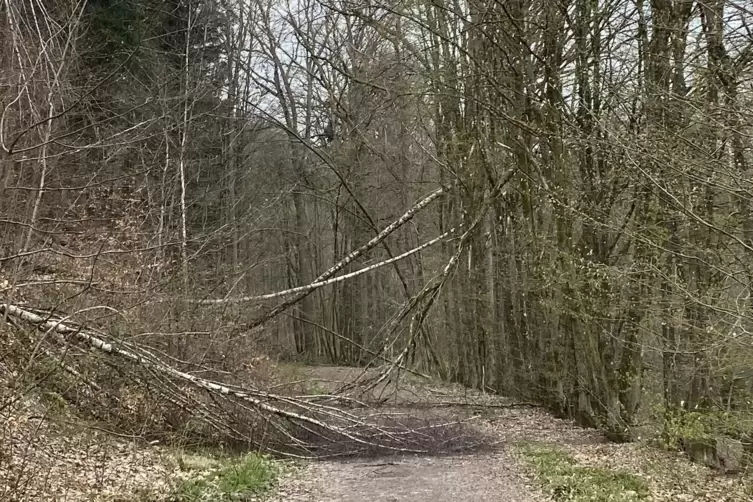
x=564 y=479
x=225 y=479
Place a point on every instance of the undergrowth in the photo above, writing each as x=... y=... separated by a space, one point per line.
x=224 y=479
x=564 y=479
x=681 y=425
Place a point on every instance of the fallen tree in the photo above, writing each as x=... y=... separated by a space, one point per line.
x=304 y=426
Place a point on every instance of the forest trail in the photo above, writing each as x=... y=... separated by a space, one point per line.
x=492 y=473
x=477 y=478
x=552 y=199
x=498 y=471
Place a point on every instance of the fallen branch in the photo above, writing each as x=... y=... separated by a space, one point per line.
x=320 y=283
x=432 y=290
x=405 y=218
x=344 y=425
x=358 y=345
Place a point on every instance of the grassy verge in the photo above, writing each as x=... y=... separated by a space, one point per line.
x=225 y=479
x=564 y=479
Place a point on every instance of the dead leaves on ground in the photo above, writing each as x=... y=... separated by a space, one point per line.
x=42 y=459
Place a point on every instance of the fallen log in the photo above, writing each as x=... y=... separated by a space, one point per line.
x=322 y=420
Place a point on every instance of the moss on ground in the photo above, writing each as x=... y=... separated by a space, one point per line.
x=224 y=479
x=564 y=479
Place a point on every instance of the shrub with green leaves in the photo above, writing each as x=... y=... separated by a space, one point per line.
x=681 y=426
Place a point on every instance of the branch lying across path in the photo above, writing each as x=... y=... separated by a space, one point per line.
x=319 y=283
x=405 y=218
x=428 y=295
x=326 y=278
x=343 y=425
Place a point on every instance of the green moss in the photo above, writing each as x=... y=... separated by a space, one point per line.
x=254 y=474
x=681 y=426
x=56 y=404
x=564 y=479
x=211 y=479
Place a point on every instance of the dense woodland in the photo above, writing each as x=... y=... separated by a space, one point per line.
x=545 y=199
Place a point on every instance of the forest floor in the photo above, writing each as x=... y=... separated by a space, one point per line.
x=521 y=454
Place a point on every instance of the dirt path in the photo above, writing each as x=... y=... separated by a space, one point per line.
x=476 y=478
x=490 y=475
x=496 y=473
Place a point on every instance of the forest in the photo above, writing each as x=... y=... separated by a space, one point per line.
x=546 y=200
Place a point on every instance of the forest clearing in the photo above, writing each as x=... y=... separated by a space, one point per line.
x=376 y=250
